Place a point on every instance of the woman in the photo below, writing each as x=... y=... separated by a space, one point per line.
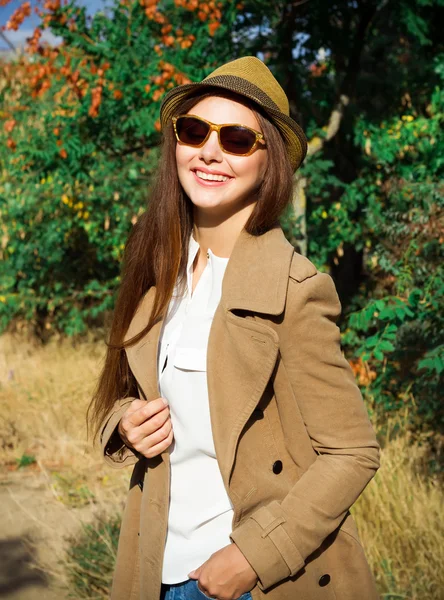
x=246 y=429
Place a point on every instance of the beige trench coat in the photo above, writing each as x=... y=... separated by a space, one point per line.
x=292 y=436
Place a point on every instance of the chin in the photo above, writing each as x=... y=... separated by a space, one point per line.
x=206 y=204
x=207 y=198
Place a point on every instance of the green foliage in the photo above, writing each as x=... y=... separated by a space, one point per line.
x=403 y=222
x=91 y=559
x=72 y=490
x=25 y=460
x=375 y=215
x=84 y=150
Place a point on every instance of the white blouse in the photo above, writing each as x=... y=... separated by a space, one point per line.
x=200 y=513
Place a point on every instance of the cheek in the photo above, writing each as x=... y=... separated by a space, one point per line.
x=180 y=157
x=263 y=164
x=183 y=157
x=252 y=169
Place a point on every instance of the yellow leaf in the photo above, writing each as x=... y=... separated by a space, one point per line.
x=368 y=146
x=315 y=142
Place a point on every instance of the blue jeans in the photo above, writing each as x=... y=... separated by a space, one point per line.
x=188 y=590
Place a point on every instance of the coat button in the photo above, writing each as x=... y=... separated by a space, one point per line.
x=258 y=413
x=277 y=467
x=324 y=580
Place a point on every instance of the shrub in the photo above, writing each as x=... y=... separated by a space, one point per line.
x=91 y=558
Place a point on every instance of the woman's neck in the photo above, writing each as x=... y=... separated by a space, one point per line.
x=219 y=235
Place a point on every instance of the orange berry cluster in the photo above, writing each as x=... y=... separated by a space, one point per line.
x=34 y=41
x=96 y=100
x=185 y=41
x=97 y=91
x=362 y=371
x=39 y=77
x=77 y=85
x=52 y=5
x=8 y=126
x=59 y=142
x=206 y=11
x=166 y=80
x=317 y=70
x=152 y=12
x=18 y=16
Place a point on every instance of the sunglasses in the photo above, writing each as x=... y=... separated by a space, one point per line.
x=233 y=138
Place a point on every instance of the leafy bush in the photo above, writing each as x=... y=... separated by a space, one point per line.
x=91 y=558
x=395 y=327
x=79 y=145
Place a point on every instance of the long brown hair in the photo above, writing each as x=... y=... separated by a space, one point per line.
x=156 y=251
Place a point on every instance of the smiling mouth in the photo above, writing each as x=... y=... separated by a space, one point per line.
x=211 y=177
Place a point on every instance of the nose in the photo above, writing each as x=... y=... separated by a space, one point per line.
x=211 y=151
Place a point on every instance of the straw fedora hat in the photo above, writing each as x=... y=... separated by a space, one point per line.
x=249 y=77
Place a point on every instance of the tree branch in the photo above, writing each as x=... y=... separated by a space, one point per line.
x=295 y=4
x=317 y=143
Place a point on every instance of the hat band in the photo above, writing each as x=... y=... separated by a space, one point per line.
x=243 y=86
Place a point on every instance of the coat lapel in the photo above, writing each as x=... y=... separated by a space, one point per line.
x=242 y=351
x=142 y=356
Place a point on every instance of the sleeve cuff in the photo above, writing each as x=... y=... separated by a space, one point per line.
x=266 y=545
x=115 y=453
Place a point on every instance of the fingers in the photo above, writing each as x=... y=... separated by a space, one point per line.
x=158 y=425
x=151 y=451
x=136 y=404
x=146 y=427
x=141 y=410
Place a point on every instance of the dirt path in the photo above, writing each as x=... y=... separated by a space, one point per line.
x=33 y=532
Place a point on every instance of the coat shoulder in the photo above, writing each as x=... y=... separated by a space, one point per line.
x=301 y=267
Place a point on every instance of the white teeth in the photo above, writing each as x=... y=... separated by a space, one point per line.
x=211 y=177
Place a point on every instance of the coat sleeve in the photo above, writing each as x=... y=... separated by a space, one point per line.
x=277 y=538
x=114 y=451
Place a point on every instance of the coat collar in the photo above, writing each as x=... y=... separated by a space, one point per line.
x=256 y=276
x=255 y=279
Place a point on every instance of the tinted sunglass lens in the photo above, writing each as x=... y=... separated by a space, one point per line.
x=237 y=140
x=191 y=131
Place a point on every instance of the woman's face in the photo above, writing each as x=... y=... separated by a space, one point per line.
x=244 y=173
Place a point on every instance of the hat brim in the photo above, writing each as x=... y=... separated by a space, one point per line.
x=293 y=135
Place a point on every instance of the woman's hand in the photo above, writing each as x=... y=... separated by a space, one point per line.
x=146 y=427
x=226 y=575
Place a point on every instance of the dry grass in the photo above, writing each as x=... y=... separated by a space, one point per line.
x=400 y=517
x=44 y=392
